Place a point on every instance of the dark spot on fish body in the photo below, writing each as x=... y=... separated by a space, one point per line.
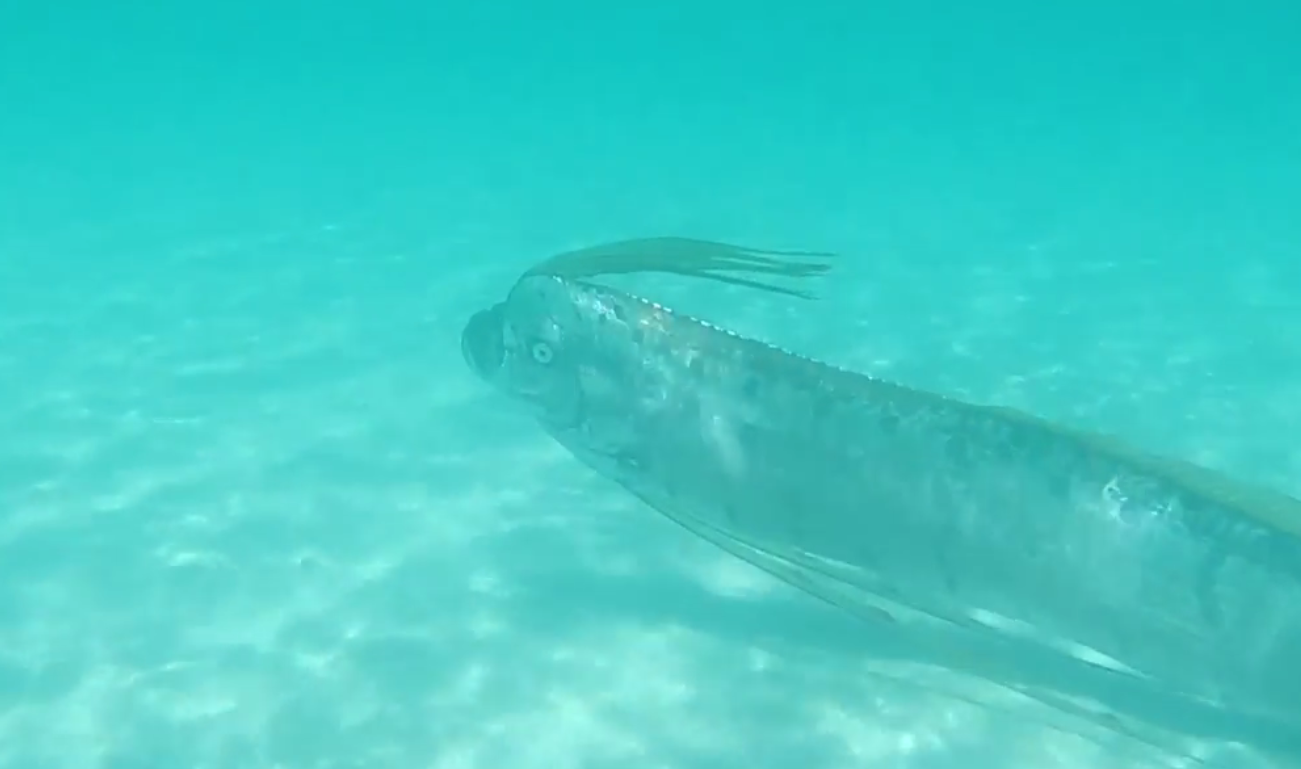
x=944 y=561
x=696 y=364
x=798 y=533
x=1057 y=479
x=628 y=462
x=887 y=421
x=730 y=513
x=1277 y=551
x=959 y=450
x=1206 y=587
x=821 y=409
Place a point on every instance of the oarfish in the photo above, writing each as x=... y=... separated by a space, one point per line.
x=1152 y=591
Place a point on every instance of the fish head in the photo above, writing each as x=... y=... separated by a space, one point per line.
x=600 y=367
x=548 y=346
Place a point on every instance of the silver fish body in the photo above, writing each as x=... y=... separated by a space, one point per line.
x=984 y=523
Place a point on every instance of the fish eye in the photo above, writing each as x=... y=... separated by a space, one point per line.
x=542 y=352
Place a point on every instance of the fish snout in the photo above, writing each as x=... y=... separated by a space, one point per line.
x=483 y=344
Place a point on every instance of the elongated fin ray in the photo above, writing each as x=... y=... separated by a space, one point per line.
x=706 y=259
x=904 y=645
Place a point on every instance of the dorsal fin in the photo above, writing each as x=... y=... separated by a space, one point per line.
x=711 y=260
x=1263 y=504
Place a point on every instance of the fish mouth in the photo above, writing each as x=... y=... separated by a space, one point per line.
x=482 y=342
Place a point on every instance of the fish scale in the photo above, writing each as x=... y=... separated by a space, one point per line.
x=911 y=488
x=999 y=529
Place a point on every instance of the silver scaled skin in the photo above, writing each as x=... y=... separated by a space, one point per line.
x=979 y=522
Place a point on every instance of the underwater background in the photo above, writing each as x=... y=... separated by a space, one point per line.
x=255 y=511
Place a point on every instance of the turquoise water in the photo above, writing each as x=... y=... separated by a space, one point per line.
x=254 y=512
